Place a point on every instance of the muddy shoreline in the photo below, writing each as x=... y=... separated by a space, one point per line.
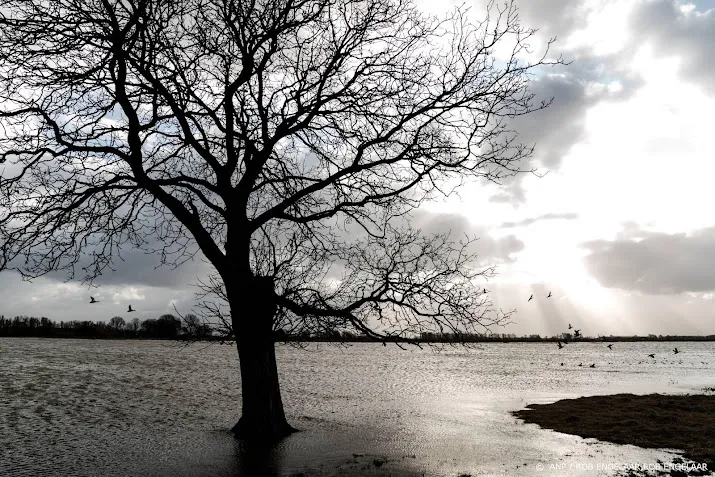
x=659 y=421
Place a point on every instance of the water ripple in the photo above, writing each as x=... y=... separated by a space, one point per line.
x=91 y=407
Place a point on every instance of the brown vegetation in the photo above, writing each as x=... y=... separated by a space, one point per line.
x=684 y=422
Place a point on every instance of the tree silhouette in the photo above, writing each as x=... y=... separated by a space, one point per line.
x=117 y=323
x=194 y=327
x=168 y=326
x=285 y=140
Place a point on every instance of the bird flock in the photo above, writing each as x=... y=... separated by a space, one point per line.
x=561 y=343
x=92 y=301
x=577 y=334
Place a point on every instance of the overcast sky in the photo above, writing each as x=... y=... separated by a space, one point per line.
x=620 y=229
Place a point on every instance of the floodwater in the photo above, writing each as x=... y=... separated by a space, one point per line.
x=150 y=408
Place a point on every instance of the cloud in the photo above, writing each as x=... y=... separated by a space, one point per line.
x=139 y=268
x=490 y=249
x=531 y=220
x=676 y=30
x=137 y=279
x=655 y=262
x=132 y=266
x=553 y=131
x=555 y=18
x=70 y=301
x=575 y=88
x=595 y=38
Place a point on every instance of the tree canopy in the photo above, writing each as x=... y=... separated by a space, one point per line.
x=284 y=141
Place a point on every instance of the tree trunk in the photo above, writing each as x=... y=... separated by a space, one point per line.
x=262 y=416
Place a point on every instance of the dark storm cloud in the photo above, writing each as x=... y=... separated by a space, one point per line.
x=531 y=220
x=687 y=35
x=655 y=263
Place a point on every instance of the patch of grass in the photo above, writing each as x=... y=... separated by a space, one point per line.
x=652 y=421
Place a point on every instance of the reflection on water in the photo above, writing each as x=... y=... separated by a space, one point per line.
x=85 y=408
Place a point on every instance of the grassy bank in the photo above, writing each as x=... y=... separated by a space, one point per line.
x=653 y=421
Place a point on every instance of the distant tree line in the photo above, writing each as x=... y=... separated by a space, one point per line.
x=427 y=337
x=190 y=327
x=165 y=327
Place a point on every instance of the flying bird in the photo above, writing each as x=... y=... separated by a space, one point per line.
x=130 y=309
x=610 y=346
x=570 y=326
x=577 y=333
x=560 y=345
x=532 y=296
x=549 y=295
x=92 y=300
x=652 y=355
x=675 y=350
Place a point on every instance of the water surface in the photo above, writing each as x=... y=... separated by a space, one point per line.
x=92 y=407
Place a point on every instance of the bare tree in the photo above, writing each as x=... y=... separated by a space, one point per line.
x=285 y=140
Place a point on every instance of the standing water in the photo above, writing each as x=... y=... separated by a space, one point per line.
x=150 y=408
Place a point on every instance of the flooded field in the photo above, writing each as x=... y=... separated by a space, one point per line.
x=120 y=408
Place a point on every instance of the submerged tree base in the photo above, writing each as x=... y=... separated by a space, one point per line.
x=264 y=434
x=684 y=422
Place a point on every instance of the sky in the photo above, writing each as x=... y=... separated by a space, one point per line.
x=618 y=227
